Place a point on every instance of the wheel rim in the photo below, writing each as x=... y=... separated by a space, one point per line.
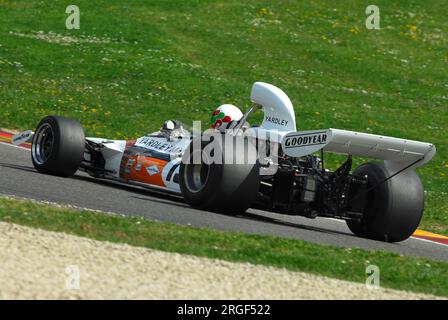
x=43 y=145
x=196 y=176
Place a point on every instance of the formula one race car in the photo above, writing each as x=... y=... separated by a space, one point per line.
x=273 y=167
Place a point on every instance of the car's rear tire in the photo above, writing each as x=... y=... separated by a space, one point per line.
x=393 y=209
x=58 y=146
x=230 y=187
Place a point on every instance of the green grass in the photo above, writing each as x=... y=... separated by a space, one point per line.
x=399 y=272
x=181 y=59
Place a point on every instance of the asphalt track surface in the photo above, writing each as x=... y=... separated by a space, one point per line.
x=18 y=178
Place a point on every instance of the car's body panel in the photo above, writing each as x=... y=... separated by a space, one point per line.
x=152 y=160
x=278 y=111
x=149 y=168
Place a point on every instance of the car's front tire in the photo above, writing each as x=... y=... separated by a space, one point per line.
x=393 y=209
x=58 y=146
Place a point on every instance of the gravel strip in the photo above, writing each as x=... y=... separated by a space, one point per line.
x=38 y=264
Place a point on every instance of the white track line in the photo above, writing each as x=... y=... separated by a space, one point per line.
x=62 y=205
x=412 y=237
x=430 y=241
x=12 y=145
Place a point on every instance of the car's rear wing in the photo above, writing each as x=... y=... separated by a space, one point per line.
x=395 y=151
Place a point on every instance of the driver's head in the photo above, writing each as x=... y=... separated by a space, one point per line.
x=224 y=115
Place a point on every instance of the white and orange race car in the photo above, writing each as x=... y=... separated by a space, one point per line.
x=271 y=166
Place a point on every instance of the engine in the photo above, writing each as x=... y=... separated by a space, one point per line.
x=301 y=186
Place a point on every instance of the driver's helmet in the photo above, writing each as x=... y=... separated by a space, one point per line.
x=225 y=115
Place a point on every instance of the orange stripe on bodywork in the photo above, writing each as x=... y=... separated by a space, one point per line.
x=139 y=171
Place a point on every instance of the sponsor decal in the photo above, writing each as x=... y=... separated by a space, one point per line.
x=152 y=170
x=138 y=167
x=280 y=122
x=304 y=140
x=22 y=136
x=129 y=164
x=157 y=144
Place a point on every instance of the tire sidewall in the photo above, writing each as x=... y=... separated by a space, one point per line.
x=394 y=208
x=47 y=166
x=68 y=146
x=230 y=188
